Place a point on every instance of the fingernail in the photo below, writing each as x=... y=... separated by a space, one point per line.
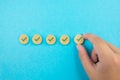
x=85 y=34
x=77 y=46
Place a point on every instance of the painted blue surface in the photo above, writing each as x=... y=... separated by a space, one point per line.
x=57 y=62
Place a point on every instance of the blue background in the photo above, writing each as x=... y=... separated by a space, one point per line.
x=57 y=62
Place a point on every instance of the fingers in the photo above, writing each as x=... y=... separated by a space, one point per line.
x=86 y=61
x=100 y=46
x=115 y=49
x=94 y=56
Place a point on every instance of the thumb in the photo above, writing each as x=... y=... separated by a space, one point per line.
x=86 y=61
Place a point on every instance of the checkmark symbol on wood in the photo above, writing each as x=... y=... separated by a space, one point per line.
x=36 y=39
x=51 y=39
x=65 y=39
x=23 y=39
x=79 y=39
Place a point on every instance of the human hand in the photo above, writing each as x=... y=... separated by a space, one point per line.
x=104 y=63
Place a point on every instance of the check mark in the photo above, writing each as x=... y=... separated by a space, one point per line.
x=23 y=39
x=79 y=39
x=36 y=39
x=51 y=39
x=65 y=39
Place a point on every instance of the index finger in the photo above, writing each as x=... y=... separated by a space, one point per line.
x=99 y=44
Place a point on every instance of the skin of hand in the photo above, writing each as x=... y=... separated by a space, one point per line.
x=104 y=63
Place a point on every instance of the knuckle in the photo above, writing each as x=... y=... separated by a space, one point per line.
x=96 y=38
x=81 y=56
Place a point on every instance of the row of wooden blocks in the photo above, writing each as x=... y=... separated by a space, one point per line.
x=51 y=39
